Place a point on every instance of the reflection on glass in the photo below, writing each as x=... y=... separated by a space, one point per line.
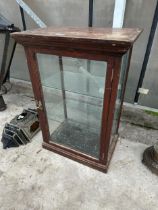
x=73 y=97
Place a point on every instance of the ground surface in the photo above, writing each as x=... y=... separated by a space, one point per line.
x=32 y=178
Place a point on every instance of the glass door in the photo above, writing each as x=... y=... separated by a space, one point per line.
x=73 y=91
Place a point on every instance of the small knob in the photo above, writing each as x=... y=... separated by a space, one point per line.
x=39 y=105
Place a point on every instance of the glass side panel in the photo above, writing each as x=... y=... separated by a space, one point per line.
x=119 y=98
x=73 y=93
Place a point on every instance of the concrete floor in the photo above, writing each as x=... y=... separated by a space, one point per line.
x=32 y=178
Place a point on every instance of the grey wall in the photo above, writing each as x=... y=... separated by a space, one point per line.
x=54 y=13
x=139 y=13
x=151 y=77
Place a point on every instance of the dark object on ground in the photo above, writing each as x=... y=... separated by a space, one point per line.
x=21 y=129
x=2 y=104
x=150 y=159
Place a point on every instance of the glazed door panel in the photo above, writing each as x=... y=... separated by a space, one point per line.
x=73 y=97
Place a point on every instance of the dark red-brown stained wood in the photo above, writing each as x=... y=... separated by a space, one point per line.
x=77 y=157
x=107 y=95
x=115 y=80
x=100 y=44
x=93 y=39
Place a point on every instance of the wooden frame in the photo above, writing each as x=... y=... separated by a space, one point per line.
x=88 y=46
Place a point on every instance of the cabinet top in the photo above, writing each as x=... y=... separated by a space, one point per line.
x=120 y=38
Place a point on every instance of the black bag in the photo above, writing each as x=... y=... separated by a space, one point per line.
x=21 y=129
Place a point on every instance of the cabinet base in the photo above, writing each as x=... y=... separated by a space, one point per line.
x=81 y=158
x=77 y=157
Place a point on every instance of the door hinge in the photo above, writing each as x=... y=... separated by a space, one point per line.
x=103 y=156
x=39 y=105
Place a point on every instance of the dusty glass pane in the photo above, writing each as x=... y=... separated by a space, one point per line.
x=73 y=93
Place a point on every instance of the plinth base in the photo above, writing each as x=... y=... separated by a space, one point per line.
x=150 y=159
x=2 y=104
x=86 y=160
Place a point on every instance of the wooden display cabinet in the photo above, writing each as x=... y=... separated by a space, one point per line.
x=79 y=77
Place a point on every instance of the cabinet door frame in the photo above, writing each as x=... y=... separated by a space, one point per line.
x=112 y=73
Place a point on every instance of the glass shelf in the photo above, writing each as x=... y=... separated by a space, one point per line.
x=76 y=77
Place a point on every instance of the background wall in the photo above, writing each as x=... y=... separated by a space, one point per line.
x=151 y=77
x=139 y=13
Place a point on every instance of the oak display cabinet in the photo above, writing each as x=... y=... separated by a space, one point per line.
x=78 y=77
